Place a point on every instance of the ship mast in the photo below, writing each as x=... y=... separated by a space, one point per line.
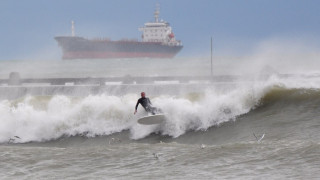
x=72 y=29
x=156 y=13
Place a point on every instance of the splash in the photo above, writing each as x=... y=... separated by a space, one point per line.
x=45 y=118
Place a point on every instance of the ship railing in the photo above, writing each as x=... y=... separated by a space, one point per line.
x=101 y=39
x=175 y=43
x=128 y=40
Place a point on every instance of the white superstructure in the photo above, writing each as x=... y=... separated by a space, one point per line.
x=158 y=31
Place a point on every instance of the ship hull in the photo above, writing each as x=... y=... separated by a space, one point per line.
x=81 y=48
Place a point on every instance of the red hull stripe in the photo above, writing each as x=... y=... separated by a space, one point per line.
x=106 y=55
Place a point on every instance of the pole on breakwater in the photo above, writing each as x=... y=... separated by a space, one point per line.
x=211 y=57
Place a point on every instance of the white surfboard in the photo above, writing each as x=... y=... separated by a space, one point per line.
x=152 y=119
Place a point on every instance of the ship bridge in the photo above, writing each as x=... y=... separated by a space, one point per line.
x=158 y=31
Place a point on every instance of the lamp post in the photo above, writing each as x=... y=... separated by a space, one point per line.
x=211 y=56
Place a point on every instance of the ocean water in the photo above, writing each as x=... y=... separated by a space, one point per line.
x=262 y=126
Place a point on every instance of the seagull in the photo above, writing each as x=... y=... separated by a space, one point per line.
x=259 y=140
x=157 y=155
x=202 y=146
x=114 y=140
x=13 y=139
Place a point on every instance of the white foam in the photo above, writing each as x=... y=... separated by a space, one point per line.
x=92 y=115
x=46 y=118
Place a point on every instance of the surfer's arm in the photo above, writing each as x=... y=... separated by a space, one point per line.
x=136 y=106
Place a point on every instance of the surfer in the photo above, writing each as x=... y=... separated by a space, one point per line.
x=146 y=104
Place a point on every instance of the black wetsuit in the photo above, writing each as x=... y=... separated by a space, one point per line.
x=146 y=104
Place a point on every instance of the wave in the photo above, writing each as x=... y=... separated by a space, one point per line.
x=290 y=96
x=45 y=118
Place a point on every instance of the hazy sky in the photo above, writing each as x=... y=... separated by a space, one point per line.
x=238 y=27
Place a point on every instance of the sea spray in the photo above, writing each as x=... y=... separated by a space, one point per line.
x=104 y=114
x=92 y=115
x=213 y=109
x=38 y=118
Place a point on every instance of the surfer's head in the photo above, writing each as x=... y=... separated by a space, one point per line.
x=143 y=94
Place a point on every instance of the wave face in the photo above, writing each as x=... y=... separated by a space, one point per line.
x=46 y=118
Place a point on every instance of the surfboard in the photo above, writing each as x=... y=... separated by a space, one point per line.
x=152 y=119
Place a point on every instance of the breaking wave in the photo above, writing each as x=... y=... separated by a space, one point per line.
x=45 y=118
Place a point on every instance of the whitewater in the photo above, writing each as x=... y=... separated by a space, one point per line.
x=263 y=125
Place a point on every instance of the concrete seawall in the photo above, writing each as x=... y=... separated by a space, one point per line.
x=16 y=87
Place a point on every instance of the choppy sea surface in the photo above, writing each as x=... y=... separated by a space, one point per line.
x=255 y=128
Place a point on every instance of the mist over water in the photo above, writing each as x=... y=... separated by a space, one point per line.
x=274 y=55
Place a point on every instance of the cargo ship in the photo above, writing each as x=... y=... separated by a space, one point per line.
x=158 y=41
